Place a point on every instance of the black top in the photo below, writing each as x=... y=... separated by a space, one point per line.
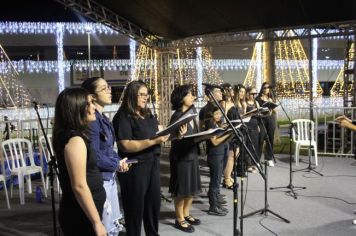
x=211 y=149
x=254 y=119
x=234 y=113
x=184 y=149
x=94 y=178
x=128 y=127
x=203 y=119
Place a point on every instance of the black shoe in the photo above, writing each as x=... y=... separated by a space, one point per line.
x=216 y=211
x=223 y=208
x=179 y=225
x=228 y=186
x=193 y=221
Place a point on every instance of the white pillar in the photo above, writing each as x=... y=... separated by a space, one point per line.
x=259 y=65
x=60 y=55
x=132 y=58
x=199 y=68
x=315 y=67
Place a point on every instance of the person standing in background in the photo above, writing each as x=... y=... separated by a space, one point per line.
x=253 y=128
x=269 y=121
x=227 y=104
x=102 y=137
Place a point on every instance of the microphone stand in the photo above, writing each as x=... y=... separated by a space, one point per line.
x=239 y=137
x=153 y=100
x=265 y=210
x=52 y=167
x=290 y=186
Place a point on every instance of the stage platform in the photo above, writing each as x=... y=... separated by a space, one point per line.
x=326 y=207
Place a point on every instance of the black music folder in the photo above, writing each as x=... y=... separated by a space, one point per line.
x=208 y=134
x=270 y=105
x=186 y=118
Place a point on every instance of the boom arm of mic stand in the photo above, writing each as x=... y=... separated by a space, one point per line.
x=284 y=111
x=237 y=134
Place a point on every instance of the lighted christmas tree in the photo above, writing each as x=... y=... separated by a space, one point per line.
x=12 y=91
x=338 y=89
x=291 y=70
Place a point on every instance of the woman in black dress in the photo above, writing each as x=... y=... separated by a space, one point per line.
x=269 y=121
x=253 y=128
x=83 y=194
x=185 y=176
x=135 y=128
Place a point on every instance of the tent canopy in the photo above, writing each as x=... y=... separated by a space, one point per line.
x=178 y=19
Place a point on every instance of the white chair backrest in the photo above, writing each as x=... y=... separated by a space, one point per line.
x=305 y=130
x=16 y=150
x=43 y=146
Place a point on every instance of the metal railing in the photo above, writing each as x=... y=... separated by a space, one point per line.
x=331 y=138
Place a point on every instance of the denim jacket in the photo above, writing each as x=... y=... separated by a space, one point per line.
x=102 y=139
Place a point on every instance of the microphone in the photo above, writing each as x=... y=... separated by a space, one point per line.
x=35 y=105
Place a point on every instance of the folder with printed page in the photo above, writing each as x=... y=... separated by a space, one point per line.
x=186 y=118
x=270 y=105
x=255 y=112
x=208 y=134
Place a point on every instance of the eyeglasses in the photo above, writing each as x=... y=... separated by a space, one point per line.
x=143 y=95
x=265 y=87
x=105 y=89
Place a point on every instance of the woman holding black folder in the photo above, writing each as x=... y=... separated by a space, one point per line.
x=135 y=129
x=269 y=121
x=185 y=176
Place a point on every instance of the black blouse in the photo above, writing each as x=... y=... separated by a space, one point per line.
x=184 y=149
x=128 y=127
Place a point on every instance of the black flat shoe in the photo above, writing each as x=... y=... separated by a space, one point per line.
x=228 y=186
x=193 y=221
x=179 y=225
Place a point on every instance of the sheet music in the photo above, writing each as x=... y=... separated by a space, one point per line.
x=245 y=120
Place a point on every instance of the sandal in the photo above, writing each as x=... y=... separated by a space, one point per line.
x=191 y=220
x=187 y=229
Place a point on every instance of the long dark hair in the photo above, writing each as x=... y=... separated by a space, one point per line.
x=91 y=84
x=129 y=102
x=70 y=112
x=178 y=95
x=209 y=115
x=238 y=101
x=261 y=90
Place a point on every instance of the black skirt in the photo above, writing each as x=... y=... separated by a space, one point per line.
x=185 y=178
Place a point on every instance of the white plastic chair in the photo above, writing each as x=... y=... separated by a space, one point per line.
x=304 y=138
x=46 y=154
x=3 y=179
x=15 y=151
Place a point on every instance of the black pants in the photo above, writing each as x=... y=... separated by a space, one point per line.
x=215 y=163
x=141 y=197
x=270 y=124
